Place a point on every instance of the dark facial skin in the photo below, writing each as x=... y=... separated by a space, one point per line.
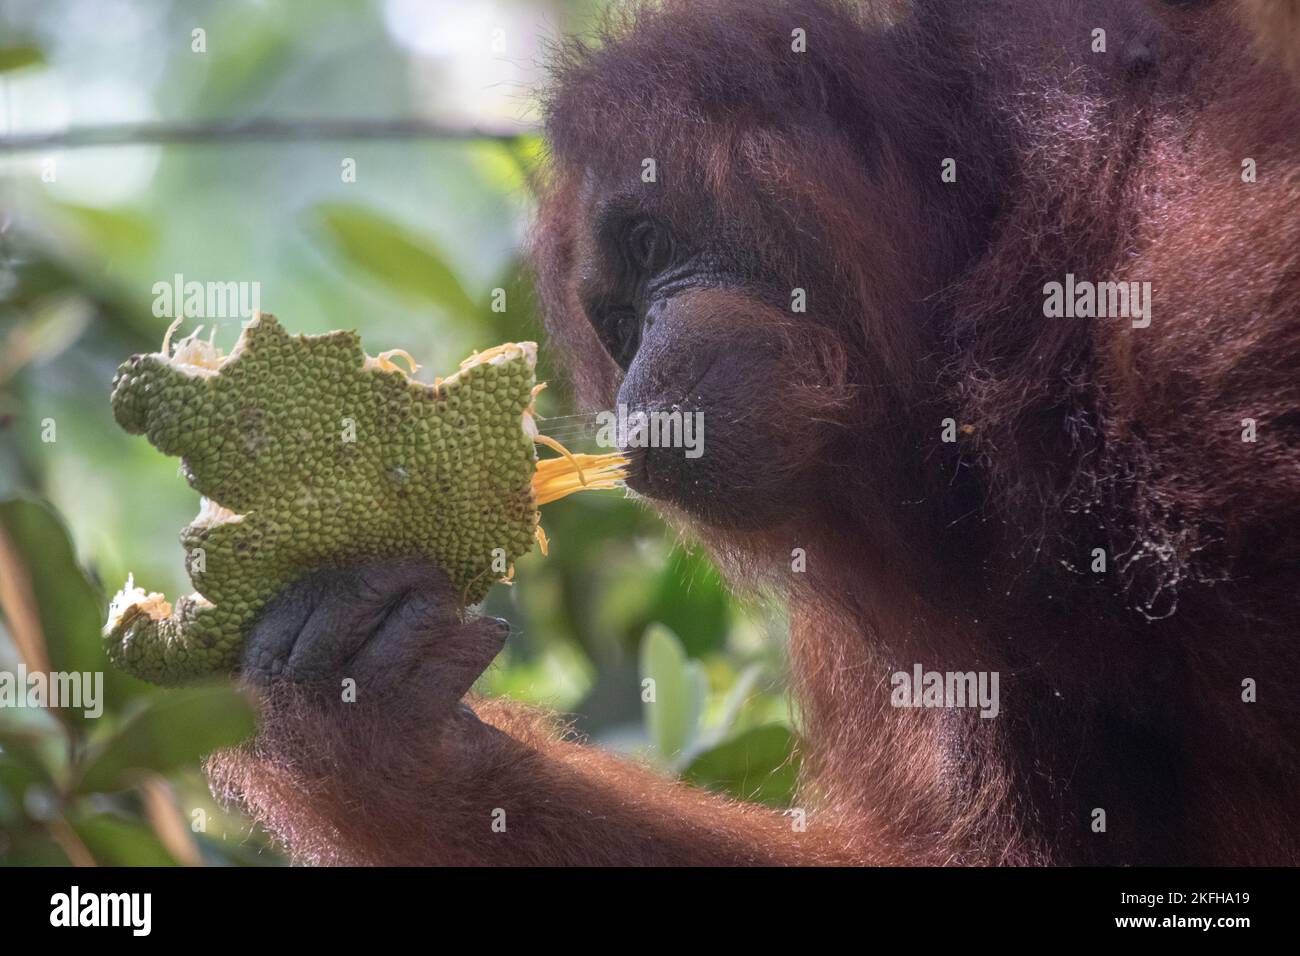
x=697 y=325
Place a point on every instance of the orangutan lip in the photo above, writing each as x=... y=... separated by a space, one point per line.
x=638 y=477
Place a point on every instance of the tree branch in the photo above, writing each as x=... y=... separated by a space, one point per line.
x=260 y=130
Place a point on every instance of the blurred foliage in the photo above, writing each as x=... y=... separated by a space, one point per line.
x=409 y=255
x=80 y=783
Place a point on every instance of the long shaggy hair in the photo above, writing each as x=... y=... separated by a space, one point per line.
x=1076 y=433
x=1115 y=530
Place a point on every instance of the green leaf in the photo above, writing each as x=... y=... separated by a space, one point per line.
x=680 y=687
x=559 y=676
x=16 y=777
x=407 y=263
x=760 y=765
x=70 y=608
x=171 y=731
x=40 y=746
x=113 y=841
x=17 y=57
x=528 y=152
x=32 y=848
x=129 y=234
x=691 y=600
x=738 y=697
x=519 y=320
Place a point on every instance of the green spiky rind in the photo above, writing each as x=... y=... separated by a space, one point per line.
x=328 y=463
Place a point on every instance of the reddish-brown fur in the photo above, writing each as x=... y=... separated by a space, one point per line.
x=1120 y=691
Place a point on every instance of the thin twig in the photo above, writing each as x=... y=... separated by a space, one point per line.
x=260 y=130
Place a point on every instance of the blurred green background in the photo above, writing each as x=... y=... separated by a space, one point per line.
x=408 y=254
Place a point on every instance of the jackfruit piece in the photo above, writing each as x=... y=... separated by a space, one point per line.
x=309 y=454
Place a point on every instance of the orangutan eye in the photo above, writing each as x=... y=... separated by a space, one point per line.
x=648 y=246
x=619 y=329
